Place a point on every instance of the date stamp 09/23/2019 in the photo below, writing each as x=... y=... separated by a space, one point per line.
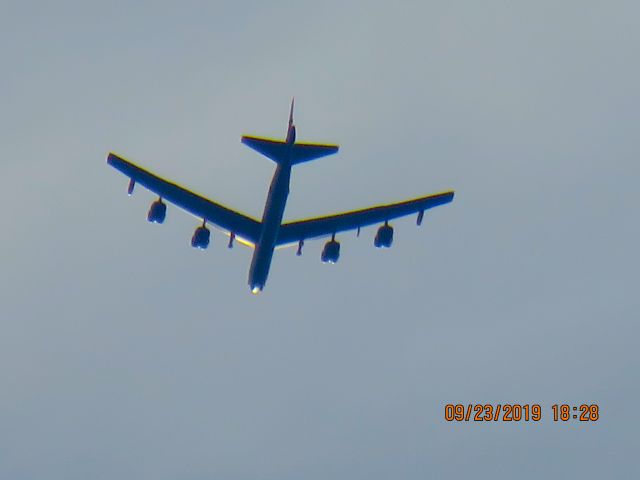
x=517 y=412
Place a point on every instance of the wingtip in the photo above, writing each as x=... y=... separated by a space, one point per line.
x=114 y=159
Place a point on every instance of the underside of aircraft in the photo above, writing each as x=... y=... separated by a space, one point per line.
x=269 y=233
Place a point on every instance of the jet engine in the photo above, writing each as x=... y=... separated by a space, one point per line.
x=157 y=212
x=200 y=238
x=384 y=237
x=330 y=252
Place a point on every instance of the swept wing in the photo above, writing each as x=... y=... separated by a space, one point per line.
x=245 y=228
x=323 y=226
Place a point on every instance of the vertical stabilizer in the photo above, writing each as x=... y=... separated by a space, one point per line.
x=291 y=130
x=291 y=111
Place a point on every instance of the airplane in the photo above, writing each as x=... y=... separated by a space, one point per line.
x=265 y=235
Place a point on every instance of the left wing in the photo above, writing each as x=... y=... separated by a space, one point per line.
x=242 y=226
x=322 y=226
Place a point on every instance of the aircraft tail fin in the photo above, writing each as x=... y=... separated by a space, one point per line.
x=289 y=151
x=291 y=111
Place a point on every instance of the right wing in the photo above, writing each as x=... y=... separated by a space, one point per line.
x=243 y=227
x=323 y=226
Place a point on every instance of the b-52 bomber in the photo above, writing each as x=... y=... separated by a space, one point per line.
x=265 y=235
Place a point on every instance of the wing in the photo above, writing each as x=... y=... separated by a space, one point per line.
x=304 y=152
x=242 y=226
x=321 y=226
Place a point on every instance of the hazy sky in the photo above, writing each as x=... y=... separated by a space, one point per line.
x=125 y=353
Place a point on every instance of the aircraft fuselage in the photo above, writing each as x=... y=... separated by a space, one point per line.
x=271 y=219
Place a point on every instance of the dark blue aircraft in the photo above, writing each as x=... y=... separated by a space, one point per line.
x=264 y=236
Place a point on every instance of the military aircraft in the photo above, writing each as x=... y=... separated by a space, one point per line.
x=265 y=235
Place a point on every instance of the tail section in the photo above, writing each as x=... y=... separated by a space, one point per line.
x=289 y=151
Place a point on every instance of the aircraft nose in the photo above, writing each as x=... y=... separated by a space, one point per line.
x=256 y=289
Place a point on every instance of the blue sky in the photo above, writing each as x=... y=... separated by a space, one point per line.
x=125 y=353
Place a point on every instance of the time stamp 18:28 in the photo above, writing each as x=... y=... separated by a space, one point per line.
x=519 y=412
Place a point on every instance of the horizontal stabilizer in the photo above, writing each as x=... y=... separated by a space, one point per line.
x=273 y=149
x=304 y=152
x=279 y=151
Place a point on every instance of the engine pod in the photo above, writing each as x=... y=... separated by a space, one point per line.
x=330 y=252
x=384 y=237
x=201 y=238
x=157 y=212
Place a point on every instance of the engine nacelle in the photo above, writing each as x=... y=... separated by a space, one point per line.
x=384 y=237
x=330 y=252
x=157 y=212
x=200 y=238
